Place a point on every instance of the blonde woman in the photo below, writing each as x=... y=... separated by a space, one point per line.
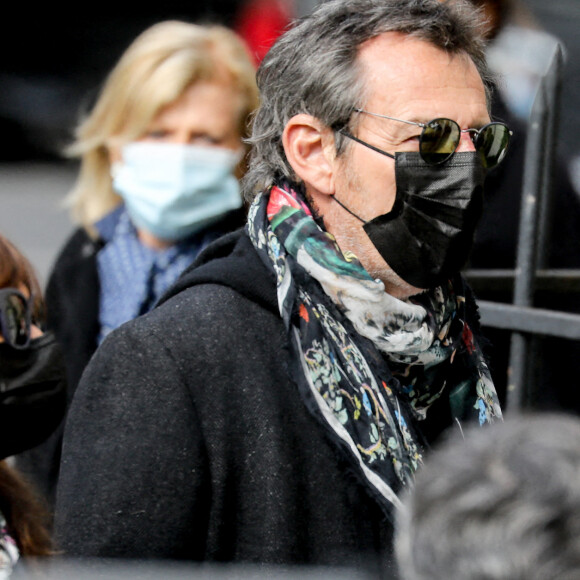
x=161 y=153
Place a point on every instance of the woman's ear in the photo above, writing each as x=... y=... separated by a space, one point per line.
x=309 y=148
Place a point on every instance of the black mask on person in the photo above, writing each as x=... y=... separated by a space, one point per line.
x=427 y=236
x=33 y=395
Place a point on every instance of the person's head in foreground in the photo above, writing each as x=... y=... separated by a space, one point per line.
x=503 y=504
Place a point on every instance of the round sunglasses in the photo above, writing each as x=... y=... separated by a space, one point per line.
x=14 y=318
x=440 y=138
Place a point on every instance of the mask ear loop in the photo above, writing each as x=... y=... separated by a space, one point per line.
x=348 y=210
x=349 y=135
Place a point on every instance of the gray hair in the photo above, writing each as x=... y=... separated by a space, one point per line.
x=502 y=505
x=313 y=68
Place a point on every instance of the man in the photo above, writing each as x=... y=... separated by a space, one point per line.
x=498 y=505
x=271 y=408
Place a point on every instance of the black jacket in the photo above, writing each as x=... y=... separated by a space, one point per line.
x=72 y=300
x=187 y=438
x=73 y=292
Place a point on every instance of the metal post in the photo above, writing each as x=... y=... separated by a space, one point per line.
x=527 y=250
x=553 y=84
x=534 y=225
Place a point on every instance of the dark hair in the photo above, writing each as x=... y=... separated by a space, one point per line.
x=16 y=271
x=503 y=504
x=497 y=13
x=312 y=68
x=26 y=517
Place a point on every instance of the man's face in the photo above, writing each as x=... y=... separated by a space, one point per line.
x=412 y=80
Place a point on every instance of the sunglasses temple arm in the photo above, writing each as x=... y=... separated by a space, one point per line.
x=350 y=136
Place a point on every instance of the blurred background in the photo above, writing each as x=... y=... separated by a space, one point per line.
x=54 y=61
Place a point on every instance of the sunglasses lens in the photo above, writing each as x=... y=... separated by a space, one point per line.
x=492 y=142
x=15 y=322
x=439 y=141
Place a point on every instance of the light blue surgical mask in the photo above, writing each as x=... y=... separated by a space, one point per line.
x=172 y=190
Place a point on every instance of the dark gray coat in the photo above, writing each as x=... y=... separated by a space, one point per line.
x=187 y=438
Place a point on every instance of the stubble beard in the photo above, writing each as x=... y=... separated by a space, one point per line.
x=352 y=237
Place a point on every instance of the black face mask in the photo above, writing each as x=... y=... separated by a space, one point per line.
x=33 y=395
x=427 y=237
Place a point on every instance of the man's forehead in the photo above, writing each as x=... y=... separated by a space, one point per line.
x=405 y=71
x=396 y=53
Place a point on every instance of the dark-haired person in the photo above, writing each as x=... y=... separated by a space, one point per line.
x=32 y=404
x=272 y=407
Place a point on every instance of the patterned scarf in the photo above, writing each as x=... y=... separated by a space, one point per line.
x=369 y=365
x=9 y=553
x=132 y=276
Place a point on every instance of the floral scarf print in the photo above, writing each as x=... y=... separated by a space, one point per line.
x=369 y=364
x=9 y=553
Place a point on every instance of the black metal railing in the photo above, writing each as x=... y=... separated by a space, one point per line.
x=526 y=322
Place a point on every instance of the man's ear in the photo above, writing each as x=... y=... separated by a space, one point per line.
x=310 y=150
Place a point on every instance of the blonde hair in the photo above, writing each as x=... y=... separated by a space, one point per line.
x=154 y=71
